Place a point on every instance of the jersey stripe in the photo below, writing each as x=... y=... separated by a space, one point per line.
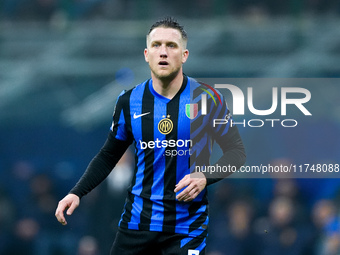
x=126 y=216
x=157 y=190
x=136 y=126
x=147 y=135
x=171 y=165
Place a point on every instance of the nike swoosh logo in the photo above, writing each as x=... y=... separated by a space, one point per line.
x=135 y=116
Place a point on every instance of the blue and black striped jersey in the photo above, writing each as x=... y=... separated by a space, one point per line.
x=170 y=137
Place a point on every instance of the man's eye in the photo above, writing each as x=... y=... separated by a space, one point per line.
x=172 y=45
x=155 y=45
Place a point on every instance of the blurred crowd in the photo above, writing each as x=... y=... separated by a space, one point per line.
x=45 y=10
x=28 y=199
x=285 y=219
x=248 y=216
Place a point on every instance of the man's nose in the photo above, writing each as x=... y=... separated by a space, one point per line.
x=163 y=52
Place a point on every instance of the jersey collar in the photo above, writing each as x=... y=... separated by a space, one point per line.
x=164 y=99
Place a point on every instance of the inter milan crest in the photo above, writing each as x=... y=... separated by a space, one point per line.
x=191 y=110
x=165 y=126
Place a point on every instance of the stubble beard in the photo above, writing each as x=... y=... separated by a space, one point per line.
x=166 y=77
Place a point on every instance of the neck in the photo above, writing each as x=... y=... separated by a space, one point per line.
x=167 y=87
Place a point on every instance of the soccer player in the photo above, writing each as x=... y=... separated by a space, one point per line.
x=166 y=209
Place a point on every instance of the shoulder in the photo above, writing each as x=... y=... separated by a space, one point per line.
x=199 y=88
x=124 y=96
x=193 y=83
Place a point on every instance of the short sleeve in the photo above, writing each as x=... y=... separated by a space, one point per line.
x=119 y=126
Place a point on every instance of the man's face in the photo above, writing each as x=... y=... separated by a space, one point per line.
x=165 y=52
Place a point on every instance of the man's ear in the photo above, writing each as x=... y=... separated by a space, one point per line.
x=185 y=56
x=146 y=55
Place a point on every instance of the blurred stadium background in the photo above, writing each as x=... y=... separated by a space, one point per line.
x=62 y=65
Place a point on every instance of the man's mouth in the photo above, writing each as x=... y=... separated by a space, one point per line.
x=163 y=63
